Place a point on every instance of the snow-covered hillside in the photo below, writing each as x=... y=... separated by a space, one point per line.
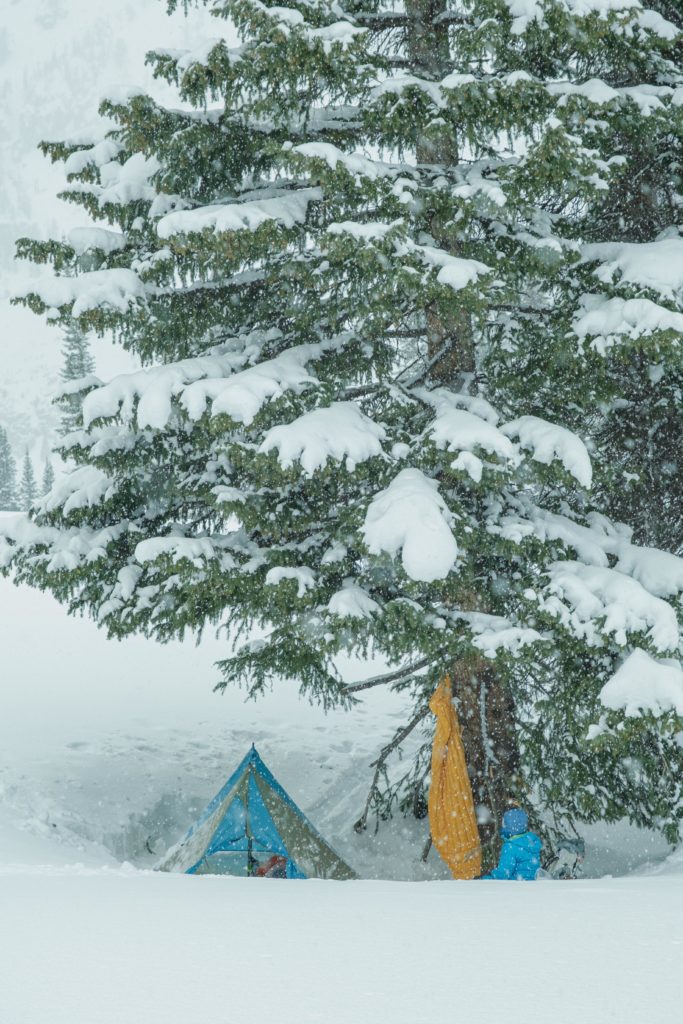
x=109 y=749
x=117 y=746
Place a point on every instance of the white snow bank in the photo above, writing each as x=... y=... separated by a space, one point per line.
x=654 y=265
x=411 y=516
x=125 y=946
x=644 y=683
x=548 y=441
x=338 y=431
x=594 y=592
x=288 y=209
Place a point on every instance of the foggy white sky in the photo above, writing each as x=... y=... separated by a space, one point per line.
x=57 y=58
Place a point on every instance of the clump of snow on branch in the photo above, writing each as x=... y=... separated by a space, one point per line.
x=82 y=240
x=287 y=209
x=460 y=430
x=352 y=602
x=654 y=265
x=594 y=593
x=456 y=272
x=118 y=288
x=410 y=516
x=606 y=320
x=548 y=441
x=338 y=431
x=645 y=684
x=355 y=163
x=495 y=633
x=302 y=575
x=193 y=383
x=66 y=548
x=81 y=488
x=177 y=547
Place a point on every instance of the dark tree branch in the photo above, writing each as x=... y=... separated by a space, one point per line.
x=389 y=677
x=399 y=19
x=378 y=765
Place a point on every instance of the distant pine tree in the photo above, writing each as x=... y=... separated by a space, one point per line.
x=8 y=473
x=28 y=489
x=78 y=363
x=48 y=476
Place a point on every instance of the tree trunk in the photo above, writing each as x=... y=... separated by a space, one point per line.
x=485 y=706
x=487 y=717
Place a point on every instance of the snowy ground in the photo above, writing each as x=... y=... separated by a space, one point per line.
x=127 y=947
x=107 y=750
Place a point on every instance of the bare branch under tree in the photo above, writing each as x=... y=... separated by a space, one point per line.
x=389 y=677
x=378 y=765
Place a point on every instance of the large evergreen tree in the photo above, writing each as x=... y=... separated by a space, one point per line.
x=376 y=229
x=640 y=440
x=8 y=474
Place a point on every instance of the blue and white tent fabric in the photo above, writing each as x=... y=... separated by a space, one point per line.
x=251 y=820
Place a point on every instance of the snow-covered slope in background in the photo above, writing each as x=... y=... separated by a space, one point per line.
x=118 y=745
x=108 y=750
x=57 y=59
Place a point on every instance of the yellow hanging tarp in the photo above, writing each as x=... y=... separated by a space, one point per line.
x=452 y=819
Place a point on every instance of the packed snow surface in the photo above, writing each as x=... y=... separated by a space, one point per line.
x=122 y=946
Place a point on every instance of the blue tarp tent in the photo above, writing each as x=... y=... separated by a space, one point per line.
x=249 y=823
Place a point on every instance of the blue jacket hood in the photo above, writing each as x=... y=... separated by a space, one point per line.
x=515 y=821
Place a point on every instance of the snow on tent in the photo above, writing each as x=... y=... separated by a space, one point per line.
x=253 y=827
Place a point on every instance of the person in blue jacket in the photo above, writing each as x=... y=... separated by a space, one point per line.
x=520 y=857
